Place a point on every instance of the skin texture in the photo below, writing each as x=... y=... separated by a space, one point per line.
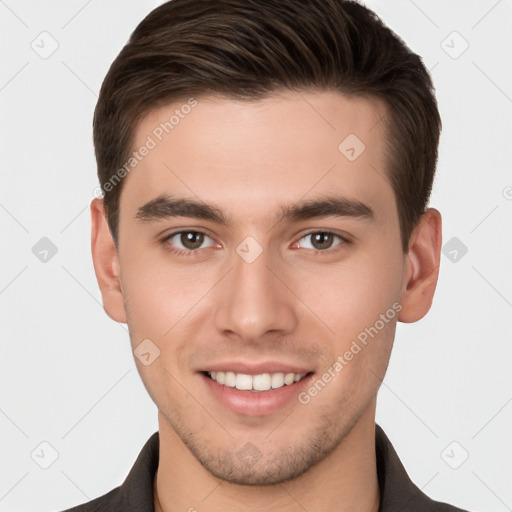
x=292 y=304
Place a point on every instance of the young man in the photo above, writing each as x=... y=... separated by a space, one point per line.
x=266 y=167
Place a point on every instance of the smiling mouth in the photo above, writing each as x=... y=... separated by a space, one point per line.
x=260 y=382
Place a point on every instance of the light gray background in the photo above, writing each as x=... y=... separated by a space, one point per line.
x=68 y=377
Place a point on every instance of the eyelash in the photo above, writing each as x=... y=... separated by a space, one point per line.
x=181 y=252
x=193 y=252
x=331 y=250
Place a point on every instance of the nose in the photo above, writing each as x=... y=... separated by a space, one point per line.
x=254 y=303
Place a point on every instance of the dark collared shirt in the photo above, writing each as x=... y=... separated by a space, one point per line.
x=397 y=492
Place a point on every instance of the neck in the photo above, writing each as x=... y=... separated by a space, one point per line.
x=346 y=480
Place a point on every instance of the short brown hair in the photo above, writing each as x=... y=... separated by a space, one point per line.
x=249 y=49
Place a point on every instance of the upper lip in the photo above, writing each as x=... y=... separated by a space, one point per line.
x=256 y=368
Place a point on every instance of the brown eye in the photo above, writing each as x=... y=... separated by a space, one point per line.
x=322 y=241
x=183 y=242
x=191 y=239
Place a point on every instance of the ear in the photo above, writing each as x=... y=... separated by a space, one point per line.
x=421 y=267
x=106 y=263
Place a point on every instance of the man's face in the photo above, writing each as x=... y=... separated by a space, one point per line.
x=264 y=282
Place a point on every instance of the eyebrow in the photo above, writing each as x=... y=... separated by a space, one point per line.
x=330 y=206
x=164 y=207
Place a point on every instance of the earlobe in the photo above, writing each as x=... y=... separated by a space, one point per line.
x=421 y=267
x=106 y=263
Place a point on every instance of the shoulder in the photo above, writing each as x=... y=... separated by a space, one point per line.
x=422 y=503
x=398 y=492
x=136 y=492
x=107 y=502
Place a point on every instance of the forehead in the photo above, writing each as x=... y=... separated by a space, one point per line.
x=247 y=155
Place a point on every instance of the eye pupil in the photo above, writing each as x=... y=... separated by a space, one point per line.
x=192 y=239
x=322 y=240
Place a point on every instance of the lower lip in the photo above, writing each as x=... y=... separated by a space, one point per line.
x=255 y=403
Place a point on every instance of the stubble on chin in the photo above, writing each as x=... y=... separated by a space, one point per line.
x=253 y=465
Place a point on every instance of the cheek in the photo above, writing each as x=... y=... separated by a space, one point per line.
x=160 y=292
x=358 y=300
x=352 y=295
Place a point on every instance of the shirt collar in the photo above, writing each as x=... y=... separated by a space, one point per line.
x=397 y=492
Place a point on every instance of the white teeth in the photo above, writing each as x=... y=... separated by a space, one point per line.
x=229 y=379
x=289 y=378
x=261 y=382
x=243 y=381
x=277 y=380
